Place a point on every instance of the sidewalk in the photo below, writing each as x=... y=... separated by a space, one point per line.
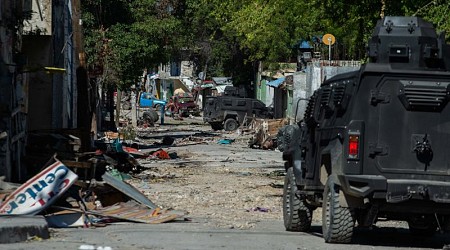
x=20 y=228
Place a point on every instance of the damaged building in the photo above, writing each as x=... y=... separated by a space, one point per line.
x=43 y=81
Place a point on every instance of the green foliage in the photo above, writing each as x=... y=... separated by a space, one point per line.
x=227 y=37
x=436 y=12
x=128 y=36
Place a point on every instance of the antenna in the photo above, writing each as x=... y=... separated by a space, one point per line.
x=329 y=40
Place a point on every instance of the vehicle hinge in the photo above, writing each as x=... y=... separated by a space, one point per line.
x=378 y=97
x=376 y=150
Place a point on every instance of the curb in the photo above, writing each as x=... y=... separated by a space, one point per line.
x=21 y=228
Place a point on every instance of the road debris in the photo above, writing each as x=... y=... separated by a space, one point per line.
x=265 y=133
x=39 y=192
x=160 y=154
x=128 y=190
x=132 y=211
x=107 y=176
x=66 y=218
x=88 y=190
x=258 y=209
x=225 y=141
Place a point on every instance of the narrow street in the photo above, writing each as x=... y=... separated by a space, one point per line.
x=232 y=195
x=163 y=124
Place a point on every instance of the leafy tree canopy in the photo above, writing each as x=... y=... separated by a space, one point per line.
x=227 y=37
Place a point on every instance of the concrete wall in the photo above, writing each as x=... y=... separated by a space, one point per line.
x=306 y=83
x=301 y=91
x=41 y=20
x=187 y=69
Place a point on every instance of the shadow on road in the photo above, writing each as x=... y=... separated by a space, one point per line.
x=392 y=237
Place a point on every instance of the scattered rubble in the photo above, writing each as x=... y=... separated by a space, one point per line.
x=120 y=178
x=85 y=189
x=265 y=132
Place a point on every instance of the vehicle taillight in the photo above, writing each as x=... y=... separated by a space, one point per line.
x=353 y=146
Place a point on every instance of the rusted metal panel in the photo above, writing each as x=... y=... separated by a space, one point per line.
x=133 y=211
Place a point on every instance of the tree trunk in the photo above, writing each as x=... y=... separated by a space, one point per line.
x=118 y=104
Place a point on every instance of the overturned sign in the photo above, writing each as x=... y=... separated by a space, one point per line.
x=40 y=191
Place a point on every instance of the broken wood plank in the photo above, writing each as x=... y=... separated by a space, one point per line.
x=77 y=164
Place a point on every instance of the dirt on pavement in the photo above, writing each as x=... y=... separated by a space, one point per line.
x=225 y=185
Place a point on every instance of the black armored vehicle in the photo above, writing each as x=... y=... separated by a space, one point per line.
x=374 y=144
x=232 y=109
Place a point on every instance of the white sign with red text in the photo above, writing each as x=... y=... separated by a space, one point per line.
x=40 y=191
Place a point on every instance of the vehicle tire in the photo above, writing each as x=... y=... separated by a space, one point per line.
x=297 y=215
x=231 y=124
x=151 y=116
x=216 y=125
x=285 y=136
x=280 y=138
x=337 y=221
x=422 y=226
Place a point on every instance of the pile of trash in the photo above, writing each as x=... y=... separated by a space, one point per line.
x=84 y=189
x=265 y=132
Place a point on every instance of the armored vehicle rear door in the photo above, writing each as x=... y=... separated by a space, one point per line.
x=412 y=138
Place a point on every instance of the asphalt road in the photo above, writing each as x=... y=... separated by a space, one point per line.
x=194 y=234
x=198 y=234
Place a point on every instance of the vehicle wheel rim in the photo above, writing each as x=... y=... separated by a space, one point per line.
x=231 y=125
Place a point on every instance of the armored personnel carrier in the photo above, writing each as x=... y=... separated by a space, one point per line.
x=232 y=109
x=374 y=144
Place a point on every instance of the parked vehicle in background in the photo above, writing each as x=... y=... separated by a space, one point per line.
x=151 y=106
x=373 y=144
x=230 y=111
x=183 y=104
x=147 y=100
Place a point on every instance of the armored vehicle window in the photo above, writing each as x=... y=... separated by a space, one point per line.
x=241 y=103
x=227 y=102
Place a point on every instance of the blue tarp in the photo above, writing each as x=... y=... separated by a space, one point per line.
x=305 y=45
x=276 y=83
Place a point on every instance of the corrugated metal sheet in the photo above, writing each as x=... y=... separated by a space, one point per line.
x=127 y=189
x=132 y=211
